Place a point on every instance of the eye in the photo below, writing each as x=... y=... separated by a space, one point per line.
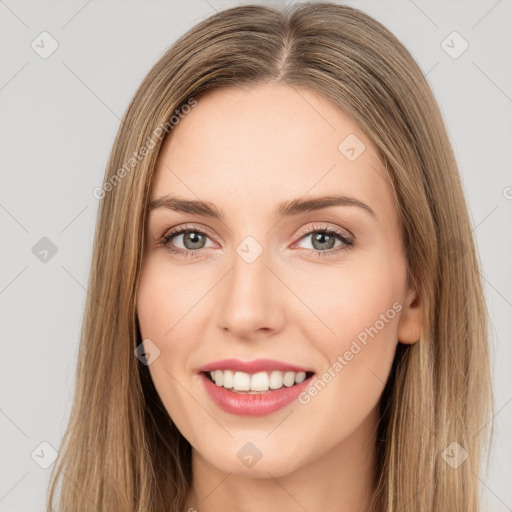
x=323 y=240
x=192 y=239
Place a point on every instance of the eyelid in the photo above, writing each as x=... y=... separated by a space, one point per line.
x=188 y=227
x=302 y=232
x=325 y=227
x=165 y=240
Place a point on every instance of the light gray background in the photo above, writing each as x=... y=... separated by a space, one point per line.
x=59 y=117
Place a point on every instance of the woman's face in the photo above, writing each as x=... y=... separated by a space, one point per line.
x=263 y=280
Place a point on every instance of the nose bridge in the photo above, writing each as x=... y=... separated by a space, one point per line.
x=249 y=299
x=249 y=274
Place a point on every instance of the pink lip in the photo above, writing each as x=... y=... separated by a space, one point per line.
x=258 y=365
x=258 y=404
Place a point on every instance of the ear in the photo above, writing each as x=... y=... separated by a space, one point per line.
x=411 y=318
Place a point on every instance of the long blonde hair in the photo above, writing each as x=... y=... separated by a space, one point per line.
x=121 y=451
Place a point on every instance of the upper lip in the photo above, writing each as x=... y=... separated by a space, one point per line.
x=254 y=366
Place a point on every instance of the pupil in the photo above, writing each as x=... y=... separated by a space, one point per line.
x=321 y=238
x=194 y=238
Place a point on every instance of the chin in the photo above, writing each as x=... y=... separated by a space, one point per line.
x=255 y=456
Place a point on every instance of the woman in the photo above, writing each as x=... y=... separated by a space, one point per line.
x=285 y=309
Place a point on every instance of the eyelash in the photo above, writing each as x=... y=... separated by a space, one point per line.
x=347 y=242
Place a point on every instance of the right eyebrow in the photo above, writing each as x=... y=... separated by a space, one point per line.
x=186 y=206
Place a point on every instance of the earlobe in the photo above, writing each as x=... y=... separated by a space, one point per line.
x=411 y=319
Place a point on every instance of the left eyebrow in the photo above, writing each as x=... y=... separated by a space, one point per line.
x=285 y=209
x=297 y=206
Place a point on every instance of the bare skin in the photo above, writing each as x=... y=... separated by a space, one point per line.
x=246 y=151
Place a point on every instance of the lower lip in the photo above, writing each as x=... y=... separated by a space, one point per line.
x=257 y=404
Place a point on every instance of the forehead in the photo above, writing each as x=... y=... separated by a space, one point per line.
x=258 y=146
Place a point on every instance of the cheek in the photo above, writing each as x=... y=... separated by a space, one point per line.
x=164 y=313
x=164 y=300
x=350 y=302
x=360 y=305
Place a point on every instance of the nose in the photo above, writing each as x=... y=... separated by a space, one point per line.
x=251 y=299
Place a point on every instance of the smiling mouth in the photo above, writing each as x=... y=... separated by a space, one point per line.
x=256 y=383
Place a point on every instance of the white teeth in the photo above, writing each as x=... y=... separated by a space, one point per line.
x=300 y=377
x=241 y=381
x=227 y=379
x=261 y=381
x=289 y=379
x=276 y=380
